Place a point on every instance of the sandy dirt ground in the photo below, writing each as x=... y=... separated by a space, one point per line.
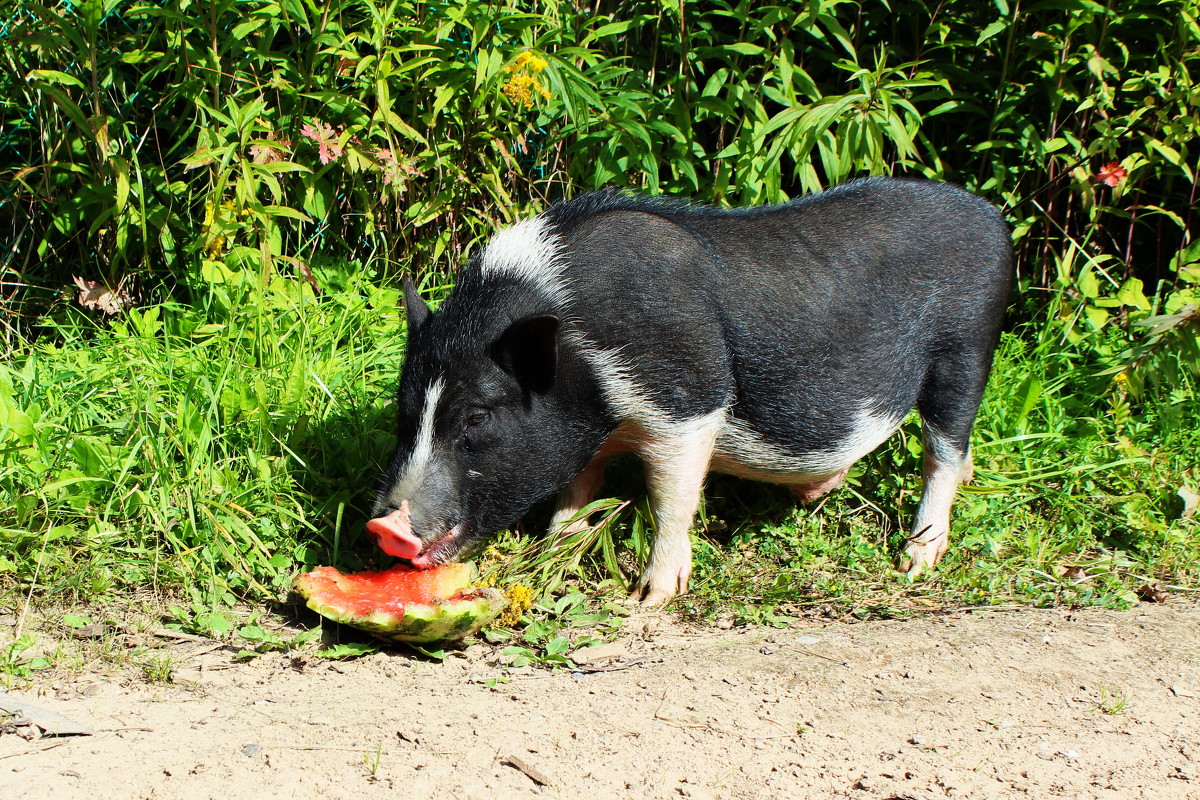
x=1022 y=704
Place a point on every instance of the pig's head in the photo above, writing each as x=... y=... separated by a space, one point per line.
x=494 y=415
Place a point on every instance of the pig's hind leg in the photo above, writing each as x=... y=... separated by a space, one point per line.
x=675 y=466
x=947 y=403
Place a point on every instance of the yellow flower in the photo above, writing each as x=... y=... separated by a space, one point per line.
x=224 y=212
x=520 y=600
x=528 y=58
x=520 y=89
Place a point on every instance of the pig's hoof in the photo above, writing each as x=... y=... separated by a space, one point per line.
x=920 y=556
x=652 y=592
x=651 y=597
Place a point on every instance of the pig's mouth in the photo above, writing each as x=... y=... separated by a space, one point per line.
x=394 y=535
x=440 y=550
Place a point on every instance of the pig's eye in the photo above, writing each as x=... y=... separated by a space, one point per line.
x=477 y=417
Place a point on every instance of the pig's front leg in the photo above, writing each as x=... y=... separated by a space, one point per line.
x=578 y=493
x=675 y=466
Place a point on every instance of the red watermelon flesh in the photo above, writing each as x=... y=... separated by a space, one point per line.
x=389 y=590
x=402 y=603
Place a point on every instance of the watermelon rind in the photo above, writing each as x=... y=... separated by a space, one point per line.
x=447 y=620
x=420 y=623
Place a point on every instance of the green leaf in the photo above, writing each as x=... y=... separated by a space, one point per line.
x=436 y=655
x=214 y=623
x=54 y=76
x=744 y=48
x=347 y=650
x=990 y=31
x=1087 y=283
x=286 y=211
x=120 y=169
x=1131 y=294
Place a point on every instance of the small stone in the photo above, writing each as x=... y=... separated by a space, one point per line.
x=599 y=652
x=695 y=792
x=186 y=675
x=250 y=749
x=917 y=739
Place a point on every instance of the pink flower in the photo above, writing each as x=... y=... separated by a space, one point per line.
x=326 y=136
x=1111 y=173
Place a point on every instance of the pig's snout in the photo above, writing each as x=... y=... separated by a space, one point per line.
x=394 y=535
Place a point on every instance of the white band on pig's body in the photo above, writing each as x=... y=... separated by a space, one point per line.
x=412 y=473
x=627 y=400
x=739 y=449
x=742 y=451
x=531 y=250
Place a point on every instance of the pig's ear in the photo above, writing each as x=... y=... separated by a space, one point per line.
x=528 y=351
x=415 y=309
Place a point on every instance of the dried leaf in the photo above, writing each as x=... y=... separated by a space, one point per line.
x=95 y=295
x=1153 y=593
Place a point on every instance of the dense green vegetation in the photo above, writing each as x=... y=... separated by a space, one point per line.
x=236 y=185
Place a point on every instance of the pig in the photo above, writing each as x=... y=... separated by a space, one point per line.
x=779 y=343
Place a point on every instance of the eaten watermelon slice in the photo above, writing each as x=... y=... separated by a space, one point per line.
x=404 y=604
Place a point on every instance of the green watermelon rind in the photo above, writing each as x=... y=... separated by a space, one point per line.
x=422 y=623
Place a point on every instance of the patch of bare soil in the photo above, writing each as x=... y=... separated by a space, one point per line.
x=1029 y=704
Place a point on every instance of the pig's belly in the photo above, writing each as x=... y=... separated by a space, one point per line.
x=741 y=451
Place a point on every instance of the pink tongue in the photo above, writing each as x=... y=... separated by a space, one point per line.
x=394 y=535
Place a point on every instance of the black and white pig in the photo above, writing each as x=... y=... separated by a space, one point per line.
x=780 y=343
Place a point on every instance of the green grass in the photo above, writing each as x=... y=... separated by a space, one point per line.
x=204 y=455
